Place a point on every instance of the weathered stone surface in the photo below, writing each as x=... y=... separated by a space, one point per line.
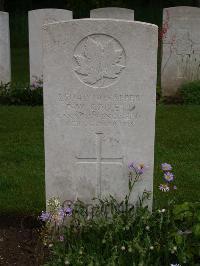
x=99 y=106
x=5 y=71
x=181 y=47
x=112 y=12
x=37 y=18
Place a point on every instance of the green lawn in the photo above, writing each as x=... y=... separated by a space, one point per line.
x=21 y=159
x=22 y=155
x=178 y=142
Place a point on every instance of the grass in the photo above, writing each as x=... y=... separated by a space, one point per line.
x=177 y=142
x=21 y=160
x=22 y=155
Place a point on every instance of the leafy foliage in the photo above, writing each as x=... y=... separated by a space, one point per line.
x=135 y=237
x=190 y=92
x=109 y=232
x=14 y=95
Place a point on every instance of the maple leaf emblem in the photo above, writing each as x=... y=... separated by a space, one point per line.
x=98 y=62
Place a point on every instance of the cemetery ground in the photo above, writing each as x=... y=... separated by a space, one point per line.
x=19 y=241
x=22 y=185
x=22 y=195
x=22 y=155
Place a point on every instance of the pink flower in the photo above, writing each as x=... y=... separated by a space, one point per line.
x=58 y=216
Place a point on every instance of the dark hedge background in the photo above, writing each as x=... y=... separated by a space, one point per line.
x=145 y=10
x=29 y=4
x=81 y=7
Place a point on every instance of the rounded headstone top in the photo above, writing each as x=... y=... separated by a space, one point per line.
x=103 y=20
x=3 y=13
x=112 y=12
x=48 y=10
x=36 y=19
x=182 y=10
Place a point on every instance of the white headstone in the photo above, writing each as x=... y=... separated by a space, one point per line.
x=181 y=47
x=99 y=106
x=37 y=18
x=5 y=71
x=112 y=12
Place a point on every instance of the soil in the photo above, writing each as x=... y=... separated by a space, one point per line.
x=20 y=242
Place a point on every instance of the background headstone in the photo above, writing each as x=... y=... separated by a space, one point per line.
x=99 y=106
x=112 y=12
x=37 y=18
x=181 y=47
x=5 y=66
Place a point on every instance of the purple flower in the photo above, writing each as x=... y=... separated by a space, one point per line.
x=174 y=187
x=164 y=187
x=61 y=213
x=61 y=238
x=68 y=211
x=131 y=165
x=138 y=167
x=166 y=167
x=33 y=84
x=168 y=177
x=44 y=216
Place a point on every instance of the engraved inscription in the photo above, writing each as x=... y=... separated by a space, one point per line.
x=184 y=47
x=187 y=56
x=99 y=109
x=99 y=60
x=99 y=160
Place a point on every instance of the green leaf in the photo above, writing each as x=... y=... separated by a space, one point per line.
x=178 y=239
x=182 y=211
x=196 y=230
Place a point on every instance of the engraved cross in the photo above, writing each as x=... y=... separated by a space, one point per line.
x=99 y=160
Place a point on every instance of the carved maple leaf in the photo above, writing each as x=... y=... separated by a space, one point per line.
x=98 y=62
